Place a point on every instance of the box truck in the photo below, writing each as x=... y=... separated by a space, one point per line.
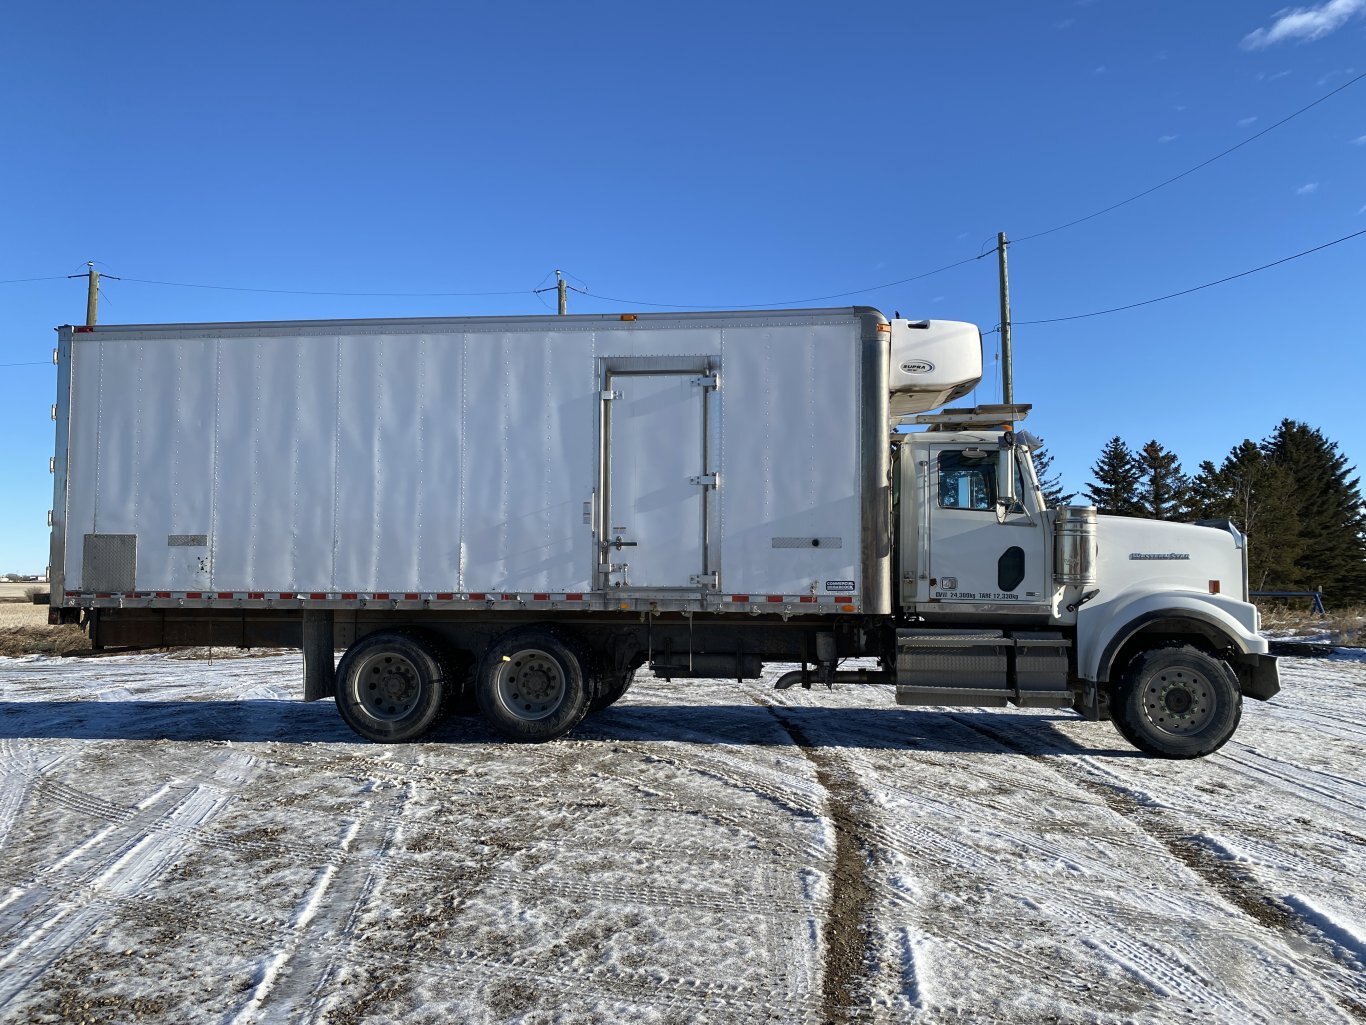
x=519 y=514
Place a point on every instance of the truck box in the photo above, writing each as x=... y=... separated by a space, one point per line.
x=679 y=459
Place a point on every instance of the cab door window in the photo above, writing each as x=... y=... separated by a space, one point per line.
x=967 y=480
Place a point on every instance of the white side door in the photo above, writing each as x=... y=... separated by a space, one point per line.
x=654 y=529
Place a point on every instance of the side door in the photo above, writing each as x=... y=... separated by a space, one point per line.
x=655 y=479
x=975 y=553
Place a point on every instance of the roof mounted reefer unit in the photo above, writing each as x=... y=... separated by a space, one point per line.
x=933 y=363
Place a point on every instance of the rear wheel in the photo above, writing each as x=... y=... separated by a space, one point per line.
x=531 y=685
x=391 y=686
x=611 y=688
x=1177 y=702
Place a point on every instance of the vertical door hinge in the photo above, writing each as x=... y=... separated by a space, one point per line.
x=707 y=581
x=710 y=381
x=707 y=480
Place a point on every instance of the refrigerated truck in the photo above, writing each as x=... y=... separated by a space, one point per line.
x=518 y=514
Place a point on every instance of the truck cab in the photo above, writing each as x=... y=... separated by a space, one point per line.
x=1003 y=600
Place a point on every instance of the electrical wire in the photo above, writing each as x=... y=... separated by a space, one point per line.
x=51 y=277
x=294 y=291
x=1197 y=288
x=784 y=302
x=1191 y=170
x=39 y=363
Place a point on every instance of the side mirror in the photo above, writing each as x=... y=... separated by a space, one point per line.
x=1006 y=498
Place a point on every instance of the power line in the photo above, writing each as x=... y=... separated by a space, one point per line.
x=786 y=302
x=51 y=277
x=1191 y=170
x=295 y=291
x=1197 y=288
x=40 y=363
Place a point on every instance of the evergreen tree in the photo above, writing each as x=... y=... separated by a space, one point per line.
x=1164 y=490
x=1116 y=474
x=1050 y=480
x=1328 y=503
x=1256 y=495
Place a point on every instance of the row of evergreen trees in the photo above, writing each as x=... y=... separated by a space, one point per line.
x=1293 y=494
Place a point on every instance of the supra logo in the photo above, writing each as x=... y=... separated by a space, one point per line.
x=917 y=366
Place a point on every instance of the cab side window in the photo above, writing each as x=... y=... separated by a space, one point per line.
x=967 y=481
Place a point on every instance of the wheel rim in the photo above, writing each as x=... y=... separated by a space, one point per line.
x=1179 y=701
x=530 y=684
x=388 y=686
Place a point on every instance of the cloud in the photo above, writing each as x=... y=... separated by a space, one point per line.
x=1100 y=70
x=1243 y=122
x=1166 y=138
x=1305 y=24
x=1307 y=189
x=1344 y=73
x=1065 y=24
x=1360 y=140
x=1361 y=211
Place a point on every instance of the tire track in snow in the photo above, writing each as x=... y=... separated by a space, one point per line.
x=849 y=917
x=269 y=970
x=1239 y=890
x=54 y=909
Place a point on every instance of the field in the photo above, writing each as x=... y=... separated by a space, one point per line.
x=181 y=841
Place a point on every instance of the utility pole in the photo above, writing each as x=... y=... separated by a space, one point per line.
x=92 y=295
x=1007 y=376
x=562 y=287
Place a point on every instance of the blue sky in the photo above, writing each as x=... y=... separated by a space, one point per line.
x=715 y=155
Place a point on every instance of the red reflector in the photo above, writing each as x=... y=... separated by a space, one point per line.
x=807 y=598
x=574 y=596
x=509 y=597
x=446 y=596
x=540 y=597
x=317 y=596
x=1214 y=587
x=104 y=596
x=193 y=594
x=412 y=597
x=381 y=594
x=288 y=594
x=225 y=594
x=84 y=330
x=163 y=594
x=349 y=595
x=739 y=597
x=477 y=596
x=775 y=597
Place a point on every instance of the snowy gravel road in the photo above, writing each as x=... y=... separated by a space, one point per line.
x=180 y=841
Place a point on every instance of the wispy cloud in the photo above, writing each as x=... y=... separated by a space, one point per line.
x=1100 y=70
x=1243 y=122
x=1361 y=211
x=1304 y=24
x=1166 y=138
x=1360 y=140
x=1065 y=24
x=1331 y=75
x=1307 y=189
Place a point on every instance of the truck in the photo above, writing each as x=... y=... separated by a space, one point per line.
x=516 y=515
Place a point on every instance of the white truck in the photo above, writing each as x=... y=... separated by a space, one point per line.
x=520 y=513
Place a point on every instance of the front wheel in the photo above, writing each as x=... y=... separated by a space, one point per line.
x=1177 y=702
x=531 y=685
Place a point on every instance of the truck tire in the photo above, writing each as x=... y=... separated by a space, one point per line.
x=1177 y=702
x=392 y=685
x=531 y=685
x=611 y=689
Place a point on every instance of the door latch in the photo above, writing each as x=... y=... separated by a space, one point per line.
x=619 y=544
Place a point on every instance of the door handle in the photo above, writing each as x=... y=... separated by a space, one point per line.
x=619 y=544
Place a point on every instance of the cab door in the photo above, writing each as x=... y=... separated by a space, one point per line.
x=979 y=553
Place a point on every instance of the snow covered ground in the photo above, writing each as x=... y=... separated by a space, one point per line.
x=181 y=841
